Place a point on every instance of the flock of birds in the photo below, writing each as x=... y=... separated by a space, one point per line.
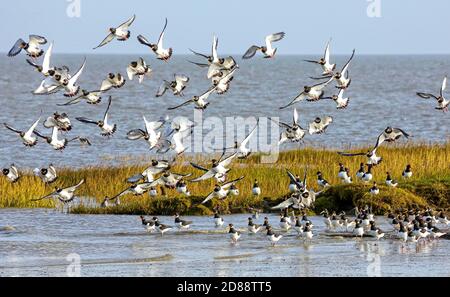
x=407 y=226
x=221 y=72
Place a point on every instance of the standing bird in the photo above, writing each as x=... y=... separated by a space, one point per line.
x=122 y=33
x=319 y=126
x=177 y=86
x=106 y=128
x=374 y=190
x=360 y=172
x=358 y=231
x=32 y=48
x=158 y=48
x=182 y=224
x=47 y=175
x=367 y=176
x=28 y=137
x=443 y=103
x=273 y=237
x=389 y=181
x=268 y=50
x=321 y=181
x=234 y=234
x=310 y=93
x=218 y=220
x=256 y=189
x=11 y=173
x=252 y=227
x=324 y=62
x=407 y=173
x=138 y=68
x=162 y=228
x=148 y=224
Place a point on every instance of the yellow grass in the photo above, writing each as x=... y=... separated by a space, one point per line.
x=430 y=164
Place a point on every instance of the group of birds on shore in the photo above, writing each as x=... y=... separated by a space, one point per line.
x=412 y=225
x=221 y=72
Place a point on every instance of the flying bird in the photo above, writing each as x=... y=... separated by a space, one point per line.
x=138 y=68
x=122 y=33
x=32 y=48
x=158 y=48
x=47 y=175
x=221 y=191
x=324 y=62
x=268 y=50
x=199 y=101
x=319 y=126
x=443 y=103
x=28 y=137
x=310 y=93
x=106 y=128
x=177 y=86
x=112 y=81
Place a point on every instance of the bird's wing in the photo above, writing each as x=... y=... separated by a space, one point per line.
x=444 y=86
x=399 y=131
x=106 y=85
x=45 y=197
x=11 y=128
x=327 y=52
x=351 y=154
x=86 y=120
x=247 y=139
x=107 y=109
x=30 y=131
x=36 y=40
x=135 y=134
x=345 y=68
x=295 y=119
x=199 y=54
x=74 y=188
x=74 y=78
x=274 y=38
x=231 y=183
x=293 y=179
x=250 y=53
x=209 y=174
x=127 y=24
x=199 y=167
x=17 y=47
x=380 y=139
x=162 y=89
x=322 y=85
x=214 y=48
x=47 y=57
x=135 y=178
x=105 y=41
x=426 y=95
x=161 y=36
x=71 y=102
x=285 y=204
x=299 y=97
x=209 y=197
x=143 y=40
x=182 y=104
x=227 y=161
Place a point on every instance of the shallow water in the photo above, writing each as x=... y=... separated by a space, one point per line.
x=37 y=243
x=382 y=93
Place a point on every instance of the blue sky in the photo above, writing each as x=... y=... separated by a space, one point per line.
x=405 y=26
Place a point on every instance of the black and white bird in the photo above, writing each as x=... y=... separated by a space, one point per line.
x=374 y=231
x=151 y=134
x=285 y=222
x=221 y=191
x=170 y=180
x=252 y=227
x=358 y=230
x=199 y=101
x=367 y=176
x=374 y=190
x=307 y=232
x=361 y=171
x=45 y=68
x=59 y=120
x=390 y=135
x=320 y=125
x=65 y=195
x=324 y=62
x=234 y=234
x=122 y=32
x=11 y=173
x=321 y=181
x=106 y=128
x=273 y=237
x=155 y=168
x=32 y=47
x=222 y=81
x=182 y=224
x=47 y=175
x=372 y=158
x=182 y=188
x=138 y=68
x=162 y=228
x=115 y=81
x=268 y=50
x=71 y=87
x=137 y=189
x=339 y=99
x=177 y=86
x=310 y=93
x=158 y=48
x=218 y=220
x=219 y=168
x=241 y=148
x=256 y=190
x=390 y=182
x=28 y=138
x=53 y=140
x=443 y=103
x=148 y=224
x=342 y=77
x=407 y=173
x=294 y=132
x=91 y=97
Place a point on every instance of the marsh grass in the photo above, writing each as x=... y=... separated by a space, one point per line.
x=430 y=183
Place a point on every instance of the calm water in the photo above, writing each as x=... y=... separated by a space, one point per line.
x=37 y=242
x=382 y=94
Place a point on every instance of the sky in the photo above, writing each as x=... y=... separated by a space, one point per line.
x=390 y=27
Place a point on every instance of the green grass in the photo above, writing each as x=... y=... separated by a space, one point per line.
x=430 y=185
